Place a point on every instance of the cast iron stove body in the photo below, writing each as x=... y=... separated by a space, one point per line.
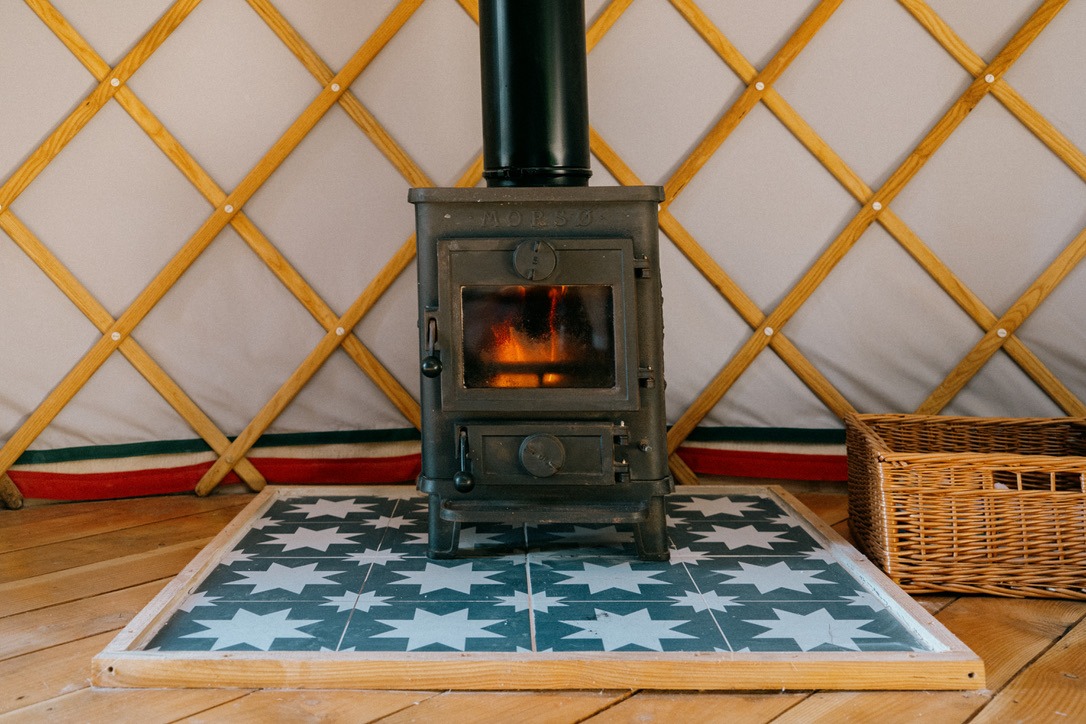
x=541 y=330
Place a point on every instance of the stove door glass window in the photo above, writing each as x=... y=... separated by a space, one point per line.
x=538 y=336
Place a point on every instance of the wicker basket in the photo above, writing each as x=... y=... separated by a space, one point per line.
x=994 y=506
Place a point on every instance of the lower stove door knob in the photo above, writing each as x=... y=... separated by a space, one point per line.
x=464 y=482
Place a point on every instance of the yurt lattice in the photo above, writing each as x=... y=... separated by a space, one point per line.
x=767 y=324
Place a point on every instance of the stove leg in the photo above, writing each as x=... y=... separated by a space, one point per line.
x=651 y=534
x=444 y=534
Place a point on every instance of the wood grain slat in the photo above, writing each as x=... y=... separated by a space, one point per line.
x=40 y=676
x=52 y=522
x=74 y=552
x=42 y=628
x=1053 y=688
x=56 y=524
x=523 y=707
x=287 y=706
x=114 y=574
x=701 y=707
x=148 y=707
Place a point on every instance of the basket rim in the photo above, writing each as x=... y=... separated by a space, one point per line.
x=885 y=453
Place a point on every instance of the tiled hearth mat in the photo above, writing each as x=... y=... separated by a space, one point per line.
x=331 y=587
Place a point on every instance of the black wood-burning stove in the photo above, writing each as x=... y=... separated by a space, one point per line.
x=541 y=332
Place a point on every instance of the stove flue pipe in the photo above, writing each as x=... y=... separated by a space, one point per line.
x=535 y=92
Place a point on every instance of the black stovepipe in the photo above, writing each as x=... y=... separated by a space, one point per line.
x=535 y=92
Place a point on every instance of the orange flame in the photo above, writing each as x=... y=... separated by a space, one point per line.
x=512 y=346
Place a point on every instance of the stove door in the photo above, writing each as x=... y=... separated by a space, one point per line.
x=540 y=323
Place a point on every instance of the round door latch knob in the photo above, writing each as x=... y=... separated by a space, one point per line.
x=431 y=366
x=542 y=455
x=463 y=482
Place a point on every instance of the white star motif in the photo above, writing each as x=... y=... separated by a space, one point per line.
x=262 y=523
x=285 y=578
x=685 y=555
x=601 y=578
x=381 y=556
x=715 y=506
x=368 y=600
x=703 y=601
x=615 y=630
x=436 y=577
x=521 y=601
x=332 y=508
x=783 y=519
x=863 y=598
x=235 y=557
x=452 y=629
x=822 y=555
x=197 y=599
x=771 y=578
x=815 y=629
x=342 y=603
x=397 y=522
x=316 y=538
x=251 y=629
x=349 y=601
x=748 y=535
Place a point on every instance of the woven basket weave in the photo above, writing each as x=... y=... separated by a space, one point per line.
x=994 y=506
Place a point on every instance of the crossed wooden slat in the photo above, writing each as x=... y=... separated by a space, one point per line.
x=111 y=83
x=999 y=331
x=874 y=208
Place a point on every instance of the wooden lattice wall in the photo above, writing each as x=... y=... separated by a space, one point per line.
x=902 y=220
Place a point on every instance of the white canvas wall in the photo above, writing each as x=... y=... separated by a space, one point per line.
x=993 y=203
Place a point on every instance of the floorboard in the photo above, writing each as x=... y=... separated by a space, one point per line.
x=71 y=575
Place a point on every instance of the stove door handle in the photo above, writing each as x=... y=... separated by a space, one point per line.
x=463 y=481
x=431 y=363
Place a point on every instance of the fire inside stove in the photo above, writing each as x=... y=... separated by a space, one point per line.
x=538 y=336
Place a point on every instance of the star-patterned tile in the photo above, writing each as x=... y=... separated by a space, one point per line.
x=350 y=573
x=330 y=587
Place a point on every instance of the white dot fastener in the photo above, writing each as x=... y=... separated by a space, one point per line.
x=877 y=206
x=228 y=209
x=1001 y=333
x=768 y=331
x=759 y=85
x=989 y=78
x=114 y=82
x=116 y=336
x=340 y=331
x=335 y=87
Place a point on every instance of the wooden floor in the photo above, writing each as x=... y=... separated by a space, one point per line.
x=72 y=575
